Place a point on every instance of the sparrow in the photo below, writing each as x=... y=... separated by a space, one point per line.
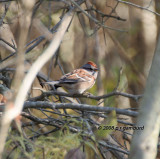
x=79 y=80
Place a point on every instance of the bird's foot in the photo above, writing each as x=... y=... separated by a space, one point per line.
x=87 y=94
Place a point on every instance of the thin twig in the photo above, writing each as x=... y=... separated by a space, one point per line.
x=90 y=96
x=137 y=6
x=95 y=20
x=104 y=15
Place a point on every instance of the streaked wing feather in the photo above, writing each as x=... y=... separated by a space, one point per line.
x=76 y=76
x=69 y=81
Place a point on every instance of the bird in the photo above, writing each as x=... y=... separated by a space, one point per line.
x=79 y=80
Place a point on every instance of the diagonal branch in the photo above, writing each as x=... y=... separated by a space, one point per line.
x=10 y=114
x=95 y=20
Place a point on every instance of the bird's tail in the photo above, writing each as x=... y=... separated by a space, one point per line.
x=52 y=83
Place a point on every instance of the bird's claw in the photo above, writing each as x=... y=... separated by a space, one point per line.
x=87 y=94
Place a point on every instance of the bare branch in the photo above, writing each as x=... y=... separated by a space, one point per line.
x=104 y=15
x=82 y=107
x=50 y=51
x=95 y=20
x=114 y=93
x=113 y=147
x=137 y=6
x=8 y=44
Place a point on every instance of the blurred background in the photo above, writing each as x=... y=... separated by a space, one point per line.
x=126 y=53
x=130 y=50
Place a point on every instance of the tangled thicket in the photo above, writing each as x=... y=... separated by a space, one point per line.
x=53 y=123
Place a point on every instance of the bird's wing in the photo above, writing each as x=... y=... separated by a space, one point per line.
x=79 y=75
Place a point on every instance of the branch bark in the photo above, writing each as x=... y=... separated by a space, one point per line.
x=144 y=143
x=82 y=107
x=90 y=96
